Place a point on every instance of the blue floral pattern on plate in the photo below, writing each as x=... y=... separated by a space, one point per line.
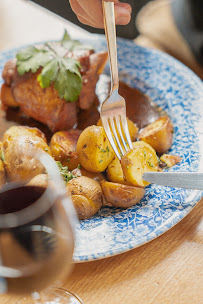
x=179 y=92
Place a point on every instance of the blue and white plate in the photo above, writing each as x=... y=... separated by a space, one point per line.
x=179 y=92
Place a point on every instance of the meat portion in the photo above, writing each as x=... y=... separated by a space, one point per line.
x=97 y=62
x=45 y=105
x=6 y=96
x=9 y=71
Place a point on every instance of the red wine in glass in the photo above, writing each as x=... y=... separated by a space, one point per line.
x=36 y=238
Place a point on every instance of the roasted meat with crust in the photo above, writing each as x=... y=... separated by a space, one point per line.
x=45 y=105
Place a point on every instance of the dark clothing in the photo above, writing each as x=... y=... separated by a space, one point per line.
x=188 y=16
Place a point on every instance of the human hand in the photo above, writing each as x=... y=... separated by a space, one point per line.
x=90 y=12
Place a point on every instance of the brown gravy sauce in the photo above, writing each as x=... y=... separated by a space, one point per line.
x=139 y=109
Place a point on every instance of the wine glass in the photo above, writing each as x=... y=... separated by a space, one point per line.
x=37 y=236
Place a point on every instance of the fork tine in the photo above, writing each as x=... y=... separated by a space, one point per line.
x=126 y=130
x=116 y=135
x=110 y=137
x=118 y=124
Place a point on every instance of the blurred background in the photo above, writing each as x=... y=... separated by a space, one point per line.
x=46 y=20
x=63 y=9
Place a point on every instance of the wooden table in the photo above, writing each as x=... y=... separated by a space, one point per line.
x=168 y=270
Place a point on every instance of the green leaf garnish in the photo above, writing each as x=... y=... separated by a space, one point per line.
x=63 y=72
x=31 y=59
x=68 y=84
x=48 y=74
x=72 y=45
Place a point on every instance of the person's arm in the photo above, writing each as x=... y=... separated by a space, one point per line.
x=89 y=12
x=188 y=16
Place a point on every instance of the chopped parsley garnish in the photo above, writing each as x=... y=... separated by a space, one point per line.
x=101 y=160
x=63 y=72
x=2 y=157
x=66 y=174
x=158 y=160
x=150 y=164
x=104 y=151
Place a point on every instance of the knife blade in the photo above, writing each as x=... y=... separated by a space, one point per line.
x=186 y=180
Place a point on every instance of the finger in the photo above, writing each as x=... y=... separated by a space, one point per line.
x=95 y=12
x=93 y=9
x=83 y=16
x=88 y=22
x=122 y=13
x=77 y=8
x=90 y=12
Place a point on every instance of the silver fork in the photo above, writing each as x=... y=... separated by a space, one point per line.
x=113 y=109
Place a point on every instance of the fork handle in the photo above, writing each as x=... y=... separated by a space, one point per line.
x=110 y=30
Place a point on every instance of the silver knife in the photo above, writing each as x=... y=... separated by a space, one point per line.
x=186 y=180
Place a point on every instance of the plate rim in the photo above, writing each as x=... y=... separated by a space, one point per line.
x=197 y=194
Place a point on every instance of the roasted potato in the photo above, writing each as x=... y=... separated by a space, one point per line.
x=63 y=147
x=1 y=151
x=86 y=195
x=82 y=172
x=16 y=131
x=170 y=160
x=17 y=143
x=158 y=134
x=114 y=172
x=40 y=180
x=2 y=174
x=2 y=170
x=142 y=158
x=94 y=150
x=133 y=129
x=119 y=195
